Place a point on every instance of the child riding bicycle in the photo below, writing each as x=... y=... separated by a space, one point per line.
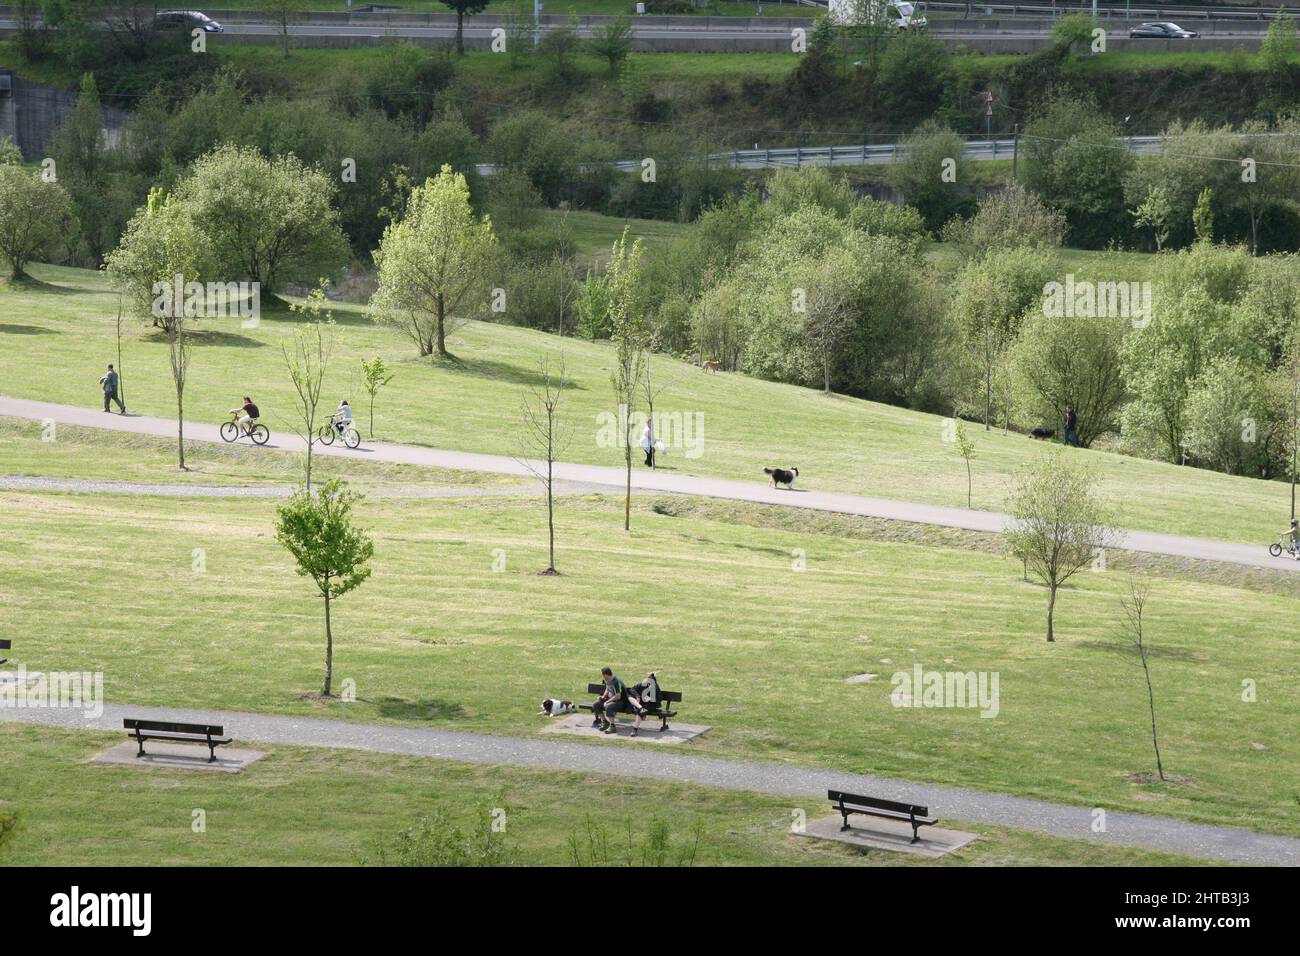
x=342 y=417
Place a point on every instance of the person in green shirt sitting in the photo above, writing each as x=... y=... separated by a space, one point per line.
x=612 y=701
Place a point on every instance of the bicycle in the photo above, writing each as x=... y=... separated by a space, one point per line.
x=258 y=433
x=329 y=431
x=1283 y=543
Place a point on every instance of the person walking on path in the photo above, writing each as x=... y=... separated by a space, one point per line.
x=1071 y=426
x=648 y=443
x=109 y=381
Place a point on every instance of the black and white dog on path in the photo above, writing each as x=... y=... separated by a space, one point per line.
x=780 y=476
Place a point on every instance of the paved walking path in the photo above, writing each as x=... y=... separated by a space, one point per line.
x=806 y=786
x=600 y=476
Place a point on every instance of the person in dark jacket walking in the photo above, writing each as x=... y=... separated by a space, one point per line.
x=1071 y=427
x=109 y=381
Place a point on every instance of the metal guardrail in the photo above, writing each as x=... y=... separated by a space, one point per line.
x=867 y=154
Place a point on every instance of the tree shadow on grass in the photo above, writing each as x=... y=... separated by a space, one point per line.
x=6 y=329
x=430 y=709
x=498 y=371
x=1121 y=646
x=276 y=309
x=29 y=284
x=202 y=337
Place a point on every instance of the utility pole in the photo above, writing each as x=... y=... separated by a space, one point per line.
x=1015 y=152
x=538 y=7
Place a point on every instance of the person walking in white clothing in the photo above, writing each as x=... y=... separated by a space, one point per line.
x=648 y=443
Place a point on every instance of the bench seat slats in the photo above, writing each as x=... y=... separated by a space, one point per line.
x=847 y=803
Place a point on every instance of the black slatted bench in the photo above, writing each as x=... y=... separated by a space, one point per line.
x=210 y=734
x=666 y=697
x=4 y=646
x=848 y=803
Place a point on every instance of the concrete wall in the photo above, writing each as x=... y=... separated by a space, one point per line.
x=30 y=114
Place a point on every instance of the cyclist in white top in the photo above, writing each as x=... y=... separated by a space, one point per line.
x=342 y=416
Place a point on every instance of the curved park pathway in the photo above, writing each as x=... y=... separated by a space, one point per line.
x=597 y=477
x=804 y=785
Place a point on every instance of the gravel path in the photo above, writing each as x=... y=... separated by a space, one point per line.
x=806 y=786
x=595 y=476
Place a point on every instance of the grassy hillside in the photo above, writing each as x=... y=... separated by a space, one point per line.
x=358 y=800
x=55 y=340
x=718 y=606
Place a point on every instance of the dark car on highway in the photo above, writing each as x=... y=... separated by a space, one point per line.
x=1161 y=31
x=187 y=19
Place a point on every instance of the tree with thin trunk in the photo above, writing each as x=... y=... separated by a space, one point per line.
x=178 y=350
x=631 y=339
x=432 y=261
x=828 y=316
x=965 y=448
x=283 y=13
x=319 y=532
x=307 y=361
x=1058 y=526
x=464 y=8
x=544 y=440
x=374 y=376
x=1135 y=606
x=121 y=383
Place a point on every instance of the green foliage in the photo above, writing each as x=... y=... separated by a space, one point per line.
x=1156 y=213
x=539 y=146
x=931 y=173
x=1203 y=216
x=374 y=376
x=10 y=154
x=915 y=78
x=1073 y=162
x=1278 y=47
x=1059 y=523
x=1074 y=30
x=612 y=42
x=436 y=840
x=36 y=218
x=592 y=845
x=160 y=242
x=8 y=828
x=432 y=262
x=269 y=220
x=559 y=47
x=1004 y=220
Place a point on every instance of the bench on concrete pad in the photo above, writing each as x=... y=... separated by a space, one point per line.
x=666 y=697
x=177 y=732
x=4 y=646
x=847 y=803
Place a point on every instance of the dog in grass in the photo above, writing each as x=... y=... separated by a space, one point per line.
x=712 y=365
x=1042 y=434
x=552 y=707
x=782 y=476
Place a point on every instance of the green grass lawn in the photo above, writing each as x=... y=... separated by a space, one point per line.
x=56 y=338
x=594 y=234
x=761 y=651
x=101 y=455
x=359 y=800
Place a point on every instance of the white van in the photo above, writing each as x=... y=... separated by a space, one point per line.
x=895 y=14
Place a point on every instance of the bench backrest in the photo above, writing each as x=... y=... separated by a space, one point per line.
x=171 y=727
x=672 y=696
x=854 y=799
x=5 y=645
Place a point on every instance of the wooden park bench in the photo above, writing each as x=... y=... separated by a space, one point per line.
x=666 y=697
x=4 y=646
x=209 y=734
x=848 y=803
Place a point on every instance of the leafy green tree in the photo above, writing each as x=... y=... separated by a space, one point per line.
x=1278 y=48
x=307 y=361
x=431 y=262
x=1156 y=213
x=374 y=376
x=1075 y=162
x=1070 y=360
x=931 y=173
x=539 y=145
x=463 y=9
x=270 y=220
x=1008 y=219
x=1203 y=216
x=319 y=531
x=161 y=242
x=994 y=295
x=612 y=42
x=1058 y=524
x=10 y=154
x=1074 y=30
x=36 y=218
x=965 y=448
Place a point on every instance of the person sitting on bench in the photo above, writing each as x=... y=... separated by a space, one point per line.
x=612 y=701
